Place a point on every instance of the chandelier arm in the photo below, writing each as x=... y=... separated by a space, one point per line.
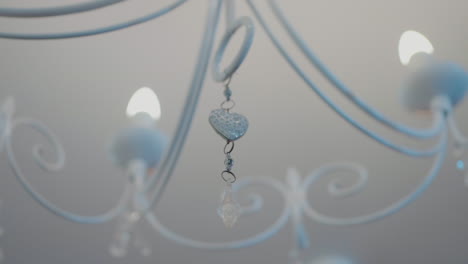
x=322 y=68
x=56 y=11
x=230 y=12
x=258 y=238
x=362 y=173
x=158 y=182
x=59 y=152
x=404 y=150
x=96 y=31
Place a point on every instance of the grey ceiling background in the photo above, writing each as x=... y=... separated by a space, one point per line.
x=80 y=88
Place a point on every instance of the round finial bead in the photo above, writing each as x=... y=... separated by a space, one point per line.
x=433 y=80
x=138 y=143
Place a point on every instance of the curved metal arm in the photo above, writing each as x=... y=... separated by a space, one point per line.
x=438 y=115
x=96 y=31
x=258 y=238
x=158 y=182
x=56 y=11
x=335 y=190
x=322 y=68
x=54 y=166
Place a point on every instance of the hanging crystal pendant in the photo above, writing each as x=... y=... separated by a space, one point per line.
x=460 y=165
x=118 y=247
x=229 y=209
x=142 y=244
x=125 y=226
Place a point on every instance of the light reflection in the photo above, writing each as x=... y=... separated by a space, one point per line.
x=144 y=100
x=411 y=43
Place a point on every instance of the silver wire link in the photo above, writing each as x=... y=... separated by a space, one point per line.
x=228 y=104
x=227 y=89
x=228 y=176
x=229 y=147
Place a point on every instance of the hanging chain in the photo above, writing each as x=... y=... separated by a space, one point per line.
x=228 y=104
x=227 y=175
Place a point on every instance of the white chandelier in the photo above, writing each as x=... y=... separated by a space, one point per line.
x=434 y=86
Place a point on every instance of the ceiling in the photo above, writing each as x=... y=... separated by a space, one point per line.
x=80 y=88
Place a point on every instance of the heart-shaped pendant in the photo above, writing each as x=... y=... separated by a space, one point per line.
x=230 y=126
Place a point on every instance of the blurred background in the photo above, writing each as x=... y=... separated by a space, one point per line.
x=81 y=87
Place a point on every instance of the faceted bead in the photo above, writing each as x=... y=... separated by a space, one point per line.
x=228 y=162
x=230 y=209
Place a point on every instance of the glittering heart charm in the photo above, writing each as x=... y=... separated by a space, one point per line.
x=230 y=126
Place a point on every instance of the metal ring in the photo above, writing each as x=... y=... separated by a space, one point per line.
x=231 y=179
x=221 y=76
x=228 y=104
x=229 y=147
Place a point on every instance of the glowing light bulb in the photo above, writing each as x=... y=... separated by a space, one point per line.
x=144 y=100
x=411 y=43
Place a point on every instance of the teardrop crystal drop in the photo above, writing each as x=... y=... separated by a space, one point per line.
x=229 y=209
x=118 y=247
x=121 y=240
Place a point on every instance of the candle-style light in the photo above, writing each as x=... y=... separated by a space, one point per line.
x=138 y=148
x=142 y=140
x=430 y=78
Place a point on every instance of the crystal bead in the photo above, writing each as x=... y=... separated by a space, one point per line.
x=125 y=227
x=228 y=162
x=228 y=93
x=230 y=209
x=119 y=246
x=460 y=165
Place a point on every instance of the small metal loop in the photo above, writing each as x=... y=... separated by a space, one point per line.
x=228 y=104
x=228 y=176
x=229 y=147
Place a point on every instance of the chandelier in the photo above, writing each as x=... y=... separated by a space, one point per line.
x=144 y=153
